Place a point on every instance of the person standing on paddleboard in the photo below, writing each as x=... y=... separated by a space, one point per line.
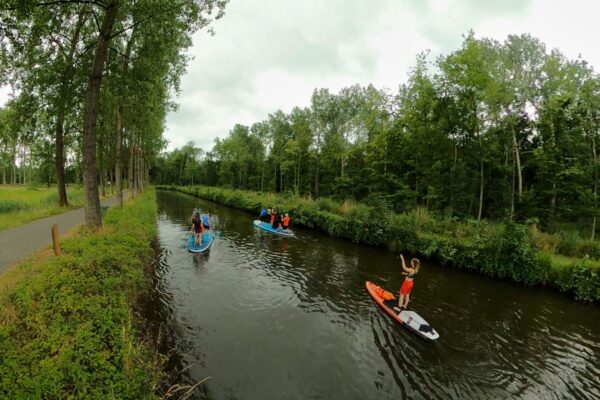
x=197 y=229
x=205 y=221
x=263 y=215
x=408 y=283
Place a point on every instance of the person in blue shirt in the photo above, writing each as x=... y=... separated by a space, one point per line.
x=206 y=221
x=263 y=214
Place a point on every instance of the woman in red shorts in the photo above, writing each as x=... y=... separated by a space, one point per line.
x=408 y=283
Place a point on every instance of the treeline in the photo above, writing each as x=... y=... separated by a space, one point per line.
x=492 y=130
x=93 y=81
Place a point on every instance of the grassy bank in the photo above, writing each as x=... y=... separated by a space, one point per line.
x=21 y=204
x=507 y=251
x=66 y=326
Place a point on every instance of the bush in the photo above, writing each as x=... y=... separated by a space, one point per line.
x=589 y=248
x=568 y=243
x=582 y=279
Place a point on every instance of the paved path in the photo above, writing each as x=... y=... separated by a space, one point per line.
x=22 y=241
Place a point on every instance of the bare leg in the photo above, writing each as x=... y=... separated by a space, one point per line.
x=400 y=301
x=406 y=298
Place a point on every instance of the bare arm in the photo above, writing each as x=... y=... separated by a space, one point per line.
x=405 y=269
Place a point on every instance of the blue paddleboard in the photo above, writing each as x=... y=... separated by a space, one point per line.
x=269 y=228
x=207 y=239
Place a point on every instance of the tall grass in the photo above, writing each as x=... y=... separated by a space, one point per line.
x=22 y=204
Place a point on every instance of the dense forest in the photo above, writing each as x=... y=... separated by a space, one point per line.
x=92 y=83
x=492 y=130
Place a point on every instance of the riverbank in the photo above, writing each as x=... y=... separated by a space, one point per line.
x=22 y=204
x=66 y=323
x=505 y=251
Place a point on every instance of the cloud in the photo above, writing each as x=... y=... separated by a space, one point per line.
x=271 y=54
x=5 y=94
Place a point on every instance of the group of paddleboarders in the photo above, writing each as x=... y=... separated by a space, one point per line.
x=281 y=221
x=278 y=219
x=200 y=224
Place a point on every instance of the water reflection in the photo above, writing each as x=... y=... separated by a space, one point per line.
x=272 y=317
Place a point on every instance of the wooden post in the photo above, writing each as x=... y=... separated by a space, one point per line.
x=55 y=240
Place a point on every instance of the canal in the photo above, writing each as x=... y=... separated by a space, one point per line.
x=266 y=317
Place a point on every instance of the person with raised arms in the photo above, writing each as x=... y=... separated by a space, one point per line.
x=408 y=283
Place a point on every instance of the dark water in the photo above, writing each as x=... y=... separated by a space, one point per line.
x=275 y=318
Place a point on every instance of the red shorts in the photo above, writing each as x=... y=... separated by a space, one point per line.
x=406 y=287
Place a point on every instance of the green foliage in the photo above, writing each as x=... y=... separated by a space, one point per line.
x=505 y=251
x=67 y=331
x=581 y=277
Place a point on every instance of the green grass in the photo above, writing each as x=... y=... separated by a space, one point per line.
x=66 y=324
x=22 y=204
x=504 y=250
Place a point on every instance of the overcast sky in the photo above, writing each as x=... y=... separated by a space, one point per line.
x=271 y=54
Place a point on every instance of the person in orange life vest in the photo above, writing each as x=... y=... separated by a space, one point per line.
x=285 y=223
x=273 y=213
x=408 y=283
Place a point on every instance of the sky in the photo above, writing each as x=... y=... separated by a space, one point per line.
x=268 y=55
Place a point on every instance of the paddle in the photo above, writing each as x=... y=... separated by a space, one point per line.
x=186 y=238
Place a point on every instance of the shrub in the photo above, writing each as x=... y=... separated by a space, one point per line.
x=568 y=243
x=8 y=206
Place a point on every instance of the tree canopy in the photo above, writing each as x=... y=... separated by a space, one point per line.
x=491 y=130
x=94 y=82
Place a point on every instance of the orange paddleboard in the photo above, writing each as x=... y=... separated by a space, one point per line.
x=408 y=318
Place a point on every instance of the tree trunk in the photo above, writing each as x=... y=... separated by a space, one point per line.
x=13 y=164
x=60 y=115
x=595 y=161
x=141 y=170
x=317 y=165
x=512 y=197
x=60 y=160
x=93 y=217
x=130 y=169
x=101 y=163
x=118 y=157
x=136 y=169
x=111 y=178
x=480 y=211
x=119 y=128
x=518 y=161
x=22 y=175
